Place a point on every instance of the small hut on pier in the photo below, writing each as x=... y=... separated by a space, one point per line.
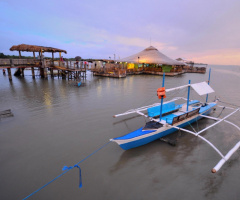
x=40 y=50
x=192 y=67
x=152 y=61
x=35 y=48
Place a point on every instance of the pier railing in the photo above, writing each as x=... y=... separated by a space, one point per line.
x=74 y=65
x=6 y=62
x=44 y=63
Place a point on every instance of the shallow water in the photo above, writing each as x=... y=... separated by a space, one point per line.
x=56 y=123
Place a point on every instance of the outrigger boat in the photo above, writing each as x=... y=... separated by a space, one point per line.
x=166 y=118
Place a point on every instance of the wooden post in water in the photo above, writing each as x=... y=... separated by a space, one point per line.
x=52 y=58
x=33 y=73
x=52 y=65
x=42 y=66
x=63 y=74
x=41 y=72
x=9 y=70
x=51 y=71
x=9 y=74
x=22 y=71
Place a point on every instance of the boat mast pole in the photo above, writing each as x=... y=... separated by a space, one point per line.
x=189 y=82
x=208 y=82
x=162 y=97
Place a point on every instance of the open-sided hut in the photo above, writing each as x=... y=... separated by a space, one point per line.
x=150 y=59
x=35 y=48
x=40 y=50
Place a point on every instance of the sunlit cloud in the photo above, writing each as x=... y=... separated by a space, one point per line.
x=100 y=29
x=221 y=57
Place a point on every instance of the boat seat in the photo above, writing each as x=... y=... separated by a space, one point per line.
x=184 y=116
x=166 y=108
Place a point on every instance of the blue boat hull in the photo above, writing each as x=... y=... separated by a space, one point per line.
x=152 y=137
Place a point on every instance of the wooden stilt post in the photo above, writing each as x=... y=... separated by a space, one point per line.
x=51 y=71
x=63 y=75
x=33 y=73
x=19 y=69
x=22 y=71
x=9 y=74
x=58 y=73
x=42 y=66
x=53 y=58
x=52 y=65
x=41 y=72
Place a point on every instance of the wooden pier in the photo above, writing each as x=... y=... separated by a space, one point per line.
x=65 y=69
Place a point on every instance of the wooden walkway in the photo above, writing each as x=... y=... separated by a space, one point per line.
x=65 y=69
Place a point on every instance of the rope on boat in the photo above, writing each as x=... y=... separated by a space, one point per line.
x=221 y=112
x=67 y=169
x=229 y=104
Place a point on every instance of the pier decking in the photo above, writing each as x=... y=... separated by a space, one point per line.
x=65 y=69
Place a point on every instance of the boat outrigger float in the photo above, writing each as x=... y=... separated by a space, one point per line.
x=166 y=118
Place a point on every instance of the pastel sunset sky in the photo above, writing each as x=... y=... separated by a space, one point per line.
x=206 y=31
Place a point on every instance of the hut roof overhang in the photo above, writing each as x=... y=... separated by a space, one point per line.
x=35 y=48
x=151 y=55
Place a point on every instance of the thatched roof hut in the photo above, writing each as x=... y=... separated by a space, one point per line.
x=151 y=55
x=34 y=48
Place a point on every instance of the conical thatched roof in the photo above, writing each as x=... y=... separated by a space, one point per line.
x=151 y=55
x=34 y=48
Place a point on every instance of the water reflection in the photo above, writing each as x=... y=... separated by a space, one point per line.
x=53 y=118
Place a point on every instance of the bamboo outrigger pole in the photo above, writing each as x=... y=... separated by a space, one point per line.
x=162 y=98
x=208 y=82
x=189 y=87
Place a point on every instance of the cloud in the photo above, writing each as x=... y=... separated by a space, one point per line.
x=200 y=30
x=221 y=57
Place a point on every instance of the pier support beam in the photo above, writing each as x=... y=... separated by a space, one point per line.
x=42 y=72
x=51 y=72
x=63 y=74
x=22 y=71
x=33 y=73
x=9 y=74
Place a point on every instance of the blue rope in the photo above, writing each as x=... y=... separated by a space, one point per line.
x=80 y=176
x=67 y=169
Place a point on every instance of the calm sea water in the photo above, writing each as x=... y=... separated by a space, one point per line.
x=56 y=123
